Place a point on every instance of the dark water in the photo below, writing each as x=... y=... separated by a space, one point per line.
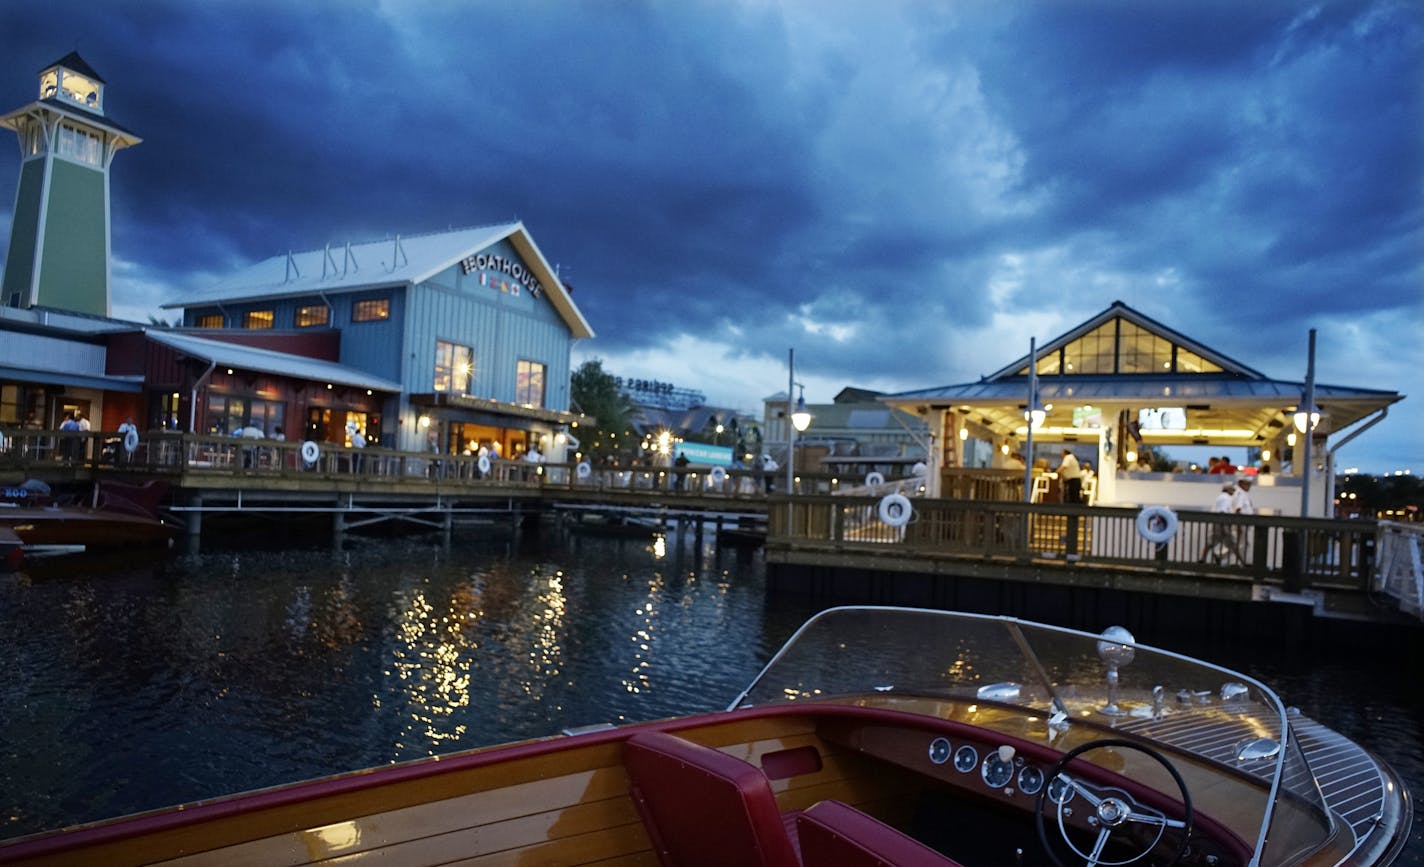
x=140 y=689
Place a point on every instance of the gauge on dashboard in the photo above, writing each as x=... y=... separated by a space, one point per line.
x=966 y=759
x=939 y=751
x=1059 y=792
x=997 y=771
x=1030 y=780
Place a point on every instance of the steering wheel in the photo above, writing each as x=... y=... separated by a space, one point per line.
x=1110 y=809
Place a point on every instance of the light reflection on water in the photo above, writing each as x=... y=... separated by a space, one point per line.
x=133 y=691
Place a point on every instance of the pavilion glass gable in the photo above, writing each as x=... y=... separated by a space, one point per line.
x=1120 y=346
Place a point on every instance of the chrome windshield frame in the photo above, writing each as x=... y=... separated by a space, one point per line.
x=1015 y=627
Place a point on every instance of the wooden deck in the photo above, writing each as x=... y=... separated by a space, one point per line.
x=1333 y=567
x=1327 y=565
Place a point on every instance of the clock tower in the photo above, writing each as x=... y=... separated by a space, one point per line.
x=59 y=232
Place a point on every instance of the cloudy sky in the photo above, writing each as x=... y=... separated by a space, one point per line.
x=904 y=192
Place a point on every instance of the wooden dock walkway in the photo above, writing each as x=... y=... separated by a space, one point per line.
x=1335 y=568
x=1332 y=567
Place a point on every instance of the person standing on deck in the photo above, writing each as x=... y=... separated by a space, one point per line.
x=1241 y=504
x=1222 y=540
x=1072 y=477
x=1241 y=500
x=768 y=469
x=67 y=446
x=124 y=455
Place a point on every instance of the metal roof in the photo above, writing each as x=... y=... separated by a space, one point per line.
x=73 y=61
x=1142 y=389
x=1221 y=394
x=270 y=361
x=126 y=136
x=398 y=261
x=126 y=383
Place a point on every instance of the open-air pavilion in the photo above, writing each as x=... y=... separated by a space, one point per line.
x=1121 y=381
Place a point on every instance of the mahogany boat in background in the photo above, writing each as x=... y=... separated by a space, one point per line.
x=121 y=516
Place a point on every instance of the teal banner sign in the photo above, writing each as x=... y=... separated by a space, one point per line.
x=701 y=453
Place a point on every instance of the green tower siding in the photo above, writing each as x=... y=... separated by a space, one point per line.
x=74 y=270
x=20 y=259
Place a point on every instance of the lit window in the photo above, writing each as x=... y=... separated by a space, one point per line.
x=313 y=315
x=258 y=319
x=453 y=365
x=209 y=320
x=77 y=89
x=79 y=145
x=529 y=384
x=371 y=310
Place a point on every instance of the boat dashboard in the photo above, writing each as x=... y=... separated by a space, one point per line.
x=988 y=775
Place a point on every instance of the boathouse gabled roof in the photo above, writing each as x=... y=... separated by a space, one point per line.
x=404 y=260
x=1120 y=359
x=270 y=361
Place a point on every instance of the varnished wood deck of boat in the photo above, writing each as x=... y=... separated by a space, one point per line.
x=567 y=801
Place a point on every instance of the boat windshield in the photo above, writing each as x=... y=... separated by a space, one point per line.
x=1062 y=676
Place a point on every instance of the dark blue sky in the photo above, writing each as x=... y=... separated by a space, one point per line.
x=906 y=193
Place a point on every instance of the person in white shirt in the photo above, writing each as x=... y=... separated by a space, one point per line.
x=768 y=467
x=1241 y=500
x=1072 y=477
x=1222 y=541
x=1241 y=504
x=122 y=451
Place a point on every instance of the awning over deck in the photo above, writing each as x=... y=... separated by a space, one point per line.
x=258 y=360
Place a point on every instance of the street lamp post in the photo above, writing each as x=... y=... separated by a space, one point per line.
x=797 y=419
x=1032 y=415
x=1307 y=416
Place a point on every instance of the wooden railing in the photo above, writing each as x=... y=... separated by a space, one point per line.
x=1292 y=552
x=825 y=512
x=205 y=461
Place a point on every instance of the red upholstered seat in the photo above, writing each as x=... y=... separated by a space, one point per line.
x=704 y=807
x=835 y=835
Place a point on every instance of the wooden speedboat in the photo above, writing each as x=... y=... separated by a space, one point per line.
x=33 y=524
x=876 y=736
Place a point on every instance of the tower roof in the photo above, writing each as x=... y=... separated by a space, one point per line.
x=73 y=61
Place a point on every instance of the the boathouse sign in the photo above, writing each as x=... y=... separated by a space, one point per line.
x=509 y=267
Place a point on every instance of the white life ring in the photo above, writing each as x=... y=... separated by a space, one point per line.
x=919 y=469
x=310 y=451
x=895 y=510
x=718 y=475
x=583 y=470
x=1157 y=524
x=872 y=479
x=484 y=464
x=131 y=441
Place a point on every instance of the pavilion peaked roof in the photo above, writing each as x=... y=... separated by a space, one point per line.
x=1121 y=359
x=1122 y=341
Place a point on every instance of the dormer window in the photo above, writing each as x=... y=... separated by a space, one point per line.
x=70 y=86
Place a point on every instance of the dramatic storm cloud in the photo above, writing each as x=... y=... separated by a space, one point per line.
x=905 y=192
